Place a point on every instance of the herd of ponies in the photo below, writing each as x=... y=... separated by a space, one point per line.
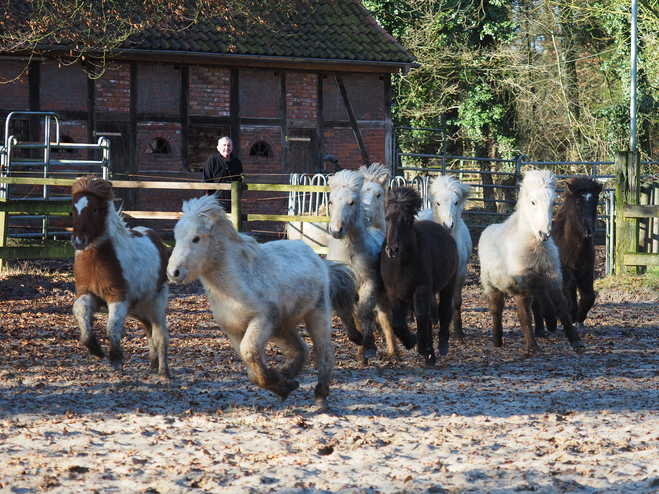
x=387 y=259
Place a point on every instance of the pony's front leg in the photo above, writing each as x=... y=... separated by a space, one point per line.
x=320 y=330
x=446 y=311
x=384 y=319
x=495 y=302
x=117 y=312
x=258 y=333
x=423 y=298
x=586 y=299
x=365 y=316
x=561 y=310
x=399 y=322
x=83 y=311
x=456 y=324
x=524 y=301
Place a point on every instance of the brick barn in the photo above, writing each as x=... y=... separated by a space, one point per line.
x=312 y=84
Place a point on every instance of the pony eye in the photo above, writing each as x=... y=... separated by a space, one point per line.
x=533 y=203
x=456 y=203
x=352 y=203
x=95 y=210
x=196 y=239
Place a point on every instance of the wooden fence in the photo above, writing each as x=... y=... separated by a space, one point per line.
x=48 y=248
x=629 y=211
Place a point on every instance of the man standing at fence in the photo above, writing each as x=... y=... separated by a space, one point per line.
x=223 y=168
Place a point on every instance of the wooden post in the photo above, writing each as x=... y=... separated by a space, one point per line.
x=627 y=192
x=236 y=209
x=655 y=221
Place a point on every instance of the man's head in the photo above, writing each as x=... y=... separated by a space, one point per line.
x=225 y=146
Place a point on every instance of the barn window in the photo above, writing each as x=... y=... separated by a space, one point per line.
x=261 y=148
x=159 y=146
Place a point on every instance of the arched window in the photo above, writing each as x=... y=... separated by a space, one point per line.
x=64 y=140
x=262 y=149
x=158 y=146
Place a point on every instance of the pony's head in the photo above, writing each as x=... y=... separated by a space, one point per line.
x=92 y=200
x=203 y=224
x=345 y=202
x=580 y=201
x=449 y=196
x=401 y=204
x=535 y=206
x=373 y=190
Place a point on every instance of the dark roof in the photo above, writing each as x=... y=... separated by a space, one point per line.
x=313 y=30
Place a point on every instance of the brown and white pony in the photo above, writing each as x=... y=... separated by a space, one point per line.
x=121 y=270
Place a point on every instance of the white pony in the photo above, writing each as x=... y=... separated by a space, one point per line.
x=373 y=193
x=448 y=201
x=519 y=258
x=357 y=245
x=261 y=292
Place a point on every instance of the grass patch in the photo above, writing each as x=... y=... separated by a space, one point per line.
x=645 y=286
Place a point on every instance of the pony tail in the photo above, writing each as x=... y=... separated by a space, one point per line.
x=343 y=287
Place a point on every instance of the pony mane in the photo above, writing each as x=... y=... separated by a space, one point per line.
x=536 y=180
x=211 y=213
x=95 y=186
x=449 y=182
x=374 y=173
x=406 y=196
x=347 y=178
x=582 y=184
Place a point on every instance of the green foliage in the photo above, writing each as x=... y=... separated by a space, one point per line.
x=545 y=78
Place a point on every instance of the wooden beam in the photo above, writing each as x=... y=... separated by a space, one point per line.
x=353 y=119
x=286 y=217
x=634 y=211
x=640 y=259
x=37 y=252
x=39 y=206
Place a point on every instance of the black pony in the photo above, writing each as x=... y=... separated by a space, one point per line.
x=574 y=227
x=418 y=261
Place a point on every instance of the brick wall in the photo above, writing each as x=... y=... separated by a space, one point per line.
x=209 y=91
x=63 y=87
x=301 y=98
x=159 y=88
x=14 y=95
x=259 y=93
x=113 y=89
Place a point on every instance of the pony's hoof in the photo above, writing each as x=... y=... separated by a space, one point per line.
x=95 y=349
x=577 y=345
x=370 y=353
x=430 y=361
x=286 y=388
x=321 y=404
x=117 y=366
x=443 y=349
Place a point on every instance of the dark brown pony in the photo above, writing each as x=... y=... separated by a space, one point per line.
x=119 y=270
x=418 y=261
x=574 y=227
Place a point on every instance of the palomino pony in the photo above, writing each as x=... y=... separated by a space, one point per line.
x=418 y=262
x=449 y=196
x=358 y=246
x=121 y=270
x=261 y=292
x=574 y=227
x=519 y=258
x=373 y=194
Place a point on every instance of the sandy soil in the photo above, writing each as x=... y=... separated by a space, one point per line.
x=485 y=420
